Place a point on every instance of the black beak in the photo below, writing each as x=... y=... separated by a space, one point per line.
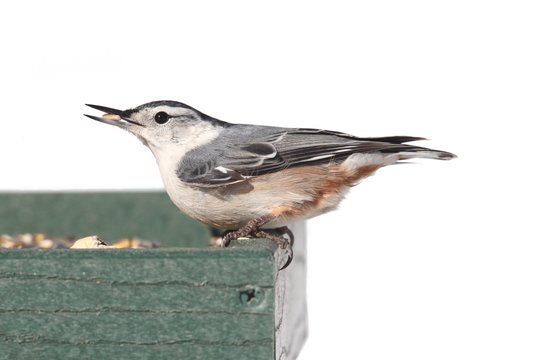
x=112 y=116
x=105 y=109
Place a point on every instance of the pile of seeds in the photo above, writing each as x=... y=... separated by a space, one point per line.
x=41 y=241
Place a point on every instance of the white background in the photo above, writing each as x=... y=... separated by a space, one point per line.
x=437 y=260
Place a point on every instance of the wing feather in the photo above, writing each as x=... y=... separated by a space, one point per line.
x=240 y=154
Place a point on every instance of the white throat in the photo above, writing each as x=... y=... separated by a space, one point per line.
x=169 y=153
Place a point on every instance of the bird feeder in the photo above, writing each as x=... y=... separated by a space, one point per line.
x=183 y=300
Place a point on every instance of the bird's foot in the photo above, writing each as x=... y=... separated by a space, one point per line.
x=252 y=228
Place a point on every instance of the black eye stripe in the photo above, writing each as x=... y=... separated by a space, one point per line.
x=161 y=117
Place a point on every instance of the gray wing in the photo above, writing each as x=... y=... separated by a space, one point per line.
x=243 y=151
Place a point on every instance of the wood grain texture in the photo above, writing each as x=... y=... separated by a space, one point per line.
x=168 y=303
x=197 y=301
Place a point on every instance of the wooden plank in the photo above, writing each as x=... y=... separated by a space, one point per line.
x=212 y=279
x=135 y=328
x=175 y=301
x=129 y=297
x=188 y=350
x=236 y=265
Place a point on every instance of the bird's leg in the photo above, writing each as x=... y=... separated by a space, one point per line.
x=250 y=228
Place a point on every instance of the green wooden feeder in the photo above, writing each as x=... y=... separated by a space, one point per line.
x=181 y=301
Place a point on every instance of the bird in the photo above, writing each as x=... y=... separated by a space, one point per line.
x=253 y=180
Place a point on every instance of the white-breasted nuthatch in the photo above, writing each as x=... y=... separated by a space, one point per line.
x=247 y=178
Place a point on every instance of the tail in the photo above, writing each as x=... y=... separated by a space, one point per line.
x=397 y=145
x=375 y=153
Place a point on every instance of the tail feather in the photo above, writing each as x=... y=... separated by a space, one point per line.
x=396 y=145
x=418 y=152
x=405 y=151
x=393 y=139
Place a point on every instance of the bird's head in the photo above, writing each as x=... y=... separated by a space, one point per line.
x=163 y=124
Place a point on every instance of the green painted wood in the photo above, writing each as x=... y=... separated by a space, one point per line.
x=119 y=328
x=194 y=350
x=160 y=298
x=167 y=303
x=111 y=215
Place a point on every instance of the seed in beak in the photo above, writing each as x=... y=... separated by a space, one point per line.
x=112 y=117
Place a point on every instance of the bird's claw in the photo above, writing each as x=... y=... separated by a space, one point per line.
x=282 y=242
x=275 y=235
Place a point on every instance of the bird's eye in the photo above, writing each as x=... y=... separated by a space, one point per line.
x=161 y=117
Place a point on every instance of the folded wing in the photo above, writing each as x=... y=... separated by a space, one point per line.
x=239 y=155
